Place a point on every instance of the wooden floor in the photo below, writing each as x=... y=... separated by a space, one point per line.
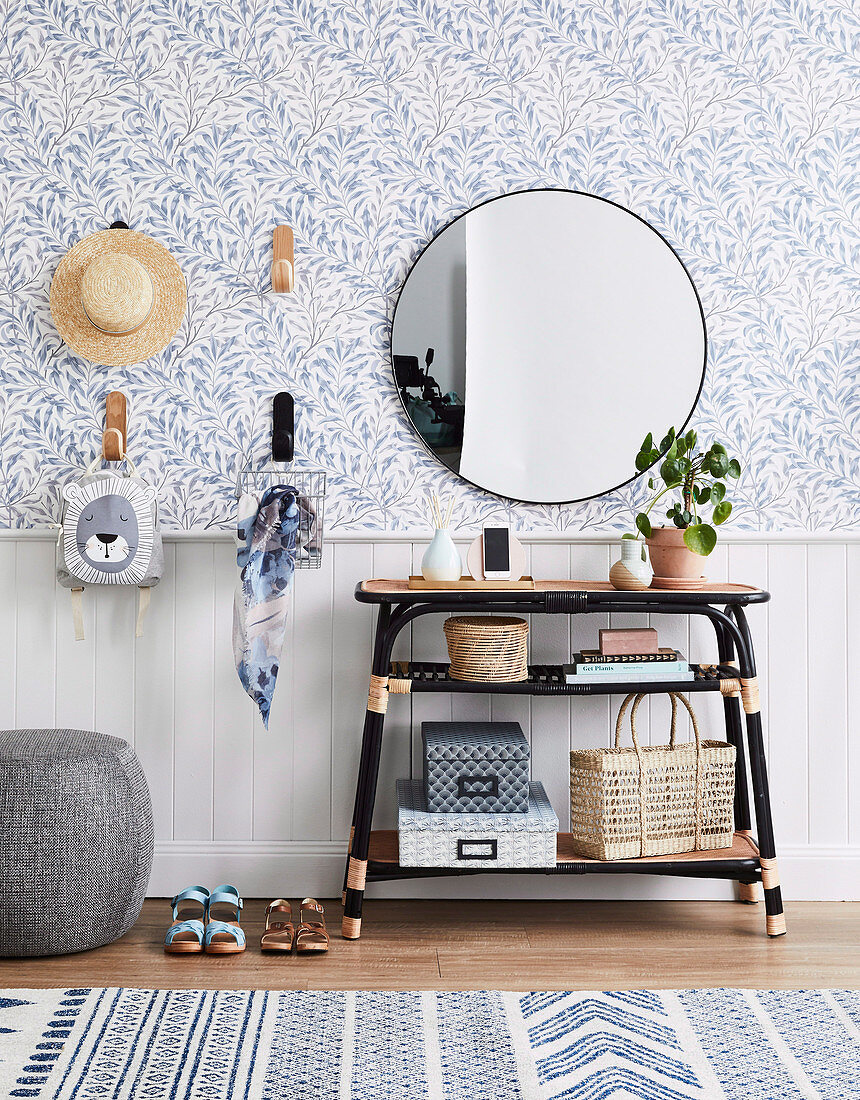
x=496 y=945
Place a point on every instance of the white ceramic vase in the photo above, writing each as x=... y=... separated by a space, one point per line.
x=631 y=573
x=441 y=561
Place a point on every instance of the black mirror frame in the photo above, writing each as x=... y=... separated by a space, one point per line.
x=435 y=237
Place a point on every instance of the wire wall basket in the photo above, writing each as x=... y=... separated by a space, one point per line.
x=310 y=489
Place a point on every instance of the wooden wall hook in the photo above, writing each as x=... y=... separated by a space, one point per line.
x=283 y=260
x=114 y=437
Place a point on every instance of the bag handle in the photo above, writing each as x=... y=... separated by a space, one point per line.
x=677 y=698
x=674 y=696
x=93 y=466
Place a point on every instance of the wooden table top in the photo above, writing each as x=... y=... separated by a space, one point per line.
x=394 y=586
x=712 y=592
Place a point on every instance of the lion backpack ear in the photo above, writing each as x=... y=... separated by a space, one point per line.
x=71 y=491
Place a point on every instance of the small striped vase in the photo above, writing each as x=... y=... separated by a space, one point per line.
x=631 y=573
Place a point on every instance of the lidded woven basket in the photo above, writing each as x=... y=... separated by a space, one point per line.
x=652 y=799
x=487 y=648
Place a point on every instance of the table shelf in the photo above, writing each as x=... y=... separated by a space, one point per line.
x=741 y=860
x=413 y=676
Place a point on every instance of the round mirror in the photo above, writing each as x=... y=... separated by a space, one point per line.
x=539 y=337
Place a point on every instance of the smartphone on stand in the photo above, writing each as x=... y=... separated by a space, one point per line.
x=497 y=553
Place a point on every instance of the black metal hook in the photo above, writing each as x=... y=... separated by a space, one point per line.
x=283 y=427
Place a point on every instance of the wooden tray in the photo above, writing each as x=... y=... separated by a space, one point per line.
x=469 y=584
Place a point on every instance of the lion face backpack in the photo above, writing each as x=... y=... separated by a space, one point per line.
x=109 y=535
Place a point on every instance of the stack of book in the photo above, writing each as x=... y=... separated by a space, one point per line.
x=591 y=665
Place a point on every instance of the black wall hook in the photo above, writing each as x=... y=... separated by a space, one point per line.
x=283 y=427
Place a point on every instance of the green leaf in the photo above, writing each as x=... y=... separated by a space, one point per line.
x=690 y=439
x=718 y=448
x=647 y=443
x=718 y=491
x=650 y=482
x=670 y=513
x=719 y=465
x=701 y=538
x=722 y=512
x=734 y=469
x=670 y=470
x=702 y=494
x=686 y=516
x=643 y=525
x=643 y=461
x=678 y=520
x=627 y=535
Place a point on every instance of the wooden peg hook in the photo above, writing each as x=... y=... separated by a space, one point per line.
x=283 y=260
x=114 y=437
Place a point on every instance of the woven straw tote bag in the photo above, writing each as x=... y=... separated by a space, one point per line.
x=654 y=799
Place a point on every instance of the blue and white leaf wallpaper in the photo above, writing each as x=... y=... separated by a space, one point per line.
x=733 y=127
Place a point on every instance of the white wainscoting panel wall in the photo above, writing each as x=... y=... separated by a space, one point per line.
x=271 y=810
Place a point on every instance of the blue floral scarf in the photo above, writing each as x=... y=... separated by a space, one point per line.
x=267 y=537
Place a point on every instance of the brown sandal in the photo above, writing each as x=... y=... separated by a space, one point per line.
x=279 y=933
x=311 y=935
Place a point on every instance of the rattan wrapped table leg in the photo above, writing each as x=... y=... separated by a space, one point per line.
x=770 y=881
x=350 y=928
x=357 y=875
x=377 y=696
x=750 y=695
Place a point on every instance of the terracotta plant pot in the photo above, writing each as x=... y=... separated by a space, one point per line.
x=674 y=563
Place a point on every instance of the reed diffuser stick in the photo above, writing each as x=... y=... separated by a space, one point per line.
x=449 y=511
x=435 y=514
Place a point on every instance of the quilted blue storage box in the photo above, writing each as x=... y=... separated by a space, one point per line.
x=475 y=767
x=474 y=840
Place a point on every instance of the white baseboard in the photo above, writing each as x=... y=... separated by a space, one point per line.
x=300 y=868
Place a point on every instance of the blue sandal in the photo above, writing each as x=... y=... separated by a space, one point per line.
x=185 y=936
x=223 y=935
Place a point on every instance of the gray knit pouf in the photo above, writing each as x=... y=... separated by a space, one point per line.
x=75 y=840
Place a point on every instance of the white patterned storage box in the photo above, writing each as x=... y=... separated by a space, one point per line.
x=475 y=840
x=475 y=767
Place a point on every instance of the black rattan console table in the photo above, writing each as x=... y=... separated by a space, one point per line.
x=373 y=856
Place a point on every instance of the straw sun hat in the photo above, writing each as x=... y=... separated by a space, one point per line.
x=117 y=297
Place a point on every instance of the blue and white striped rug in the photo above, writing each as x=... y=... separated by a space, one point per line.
x=719 y=1043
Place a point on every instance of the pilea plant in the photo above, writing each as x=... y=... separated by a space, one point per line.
x=698 y=477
